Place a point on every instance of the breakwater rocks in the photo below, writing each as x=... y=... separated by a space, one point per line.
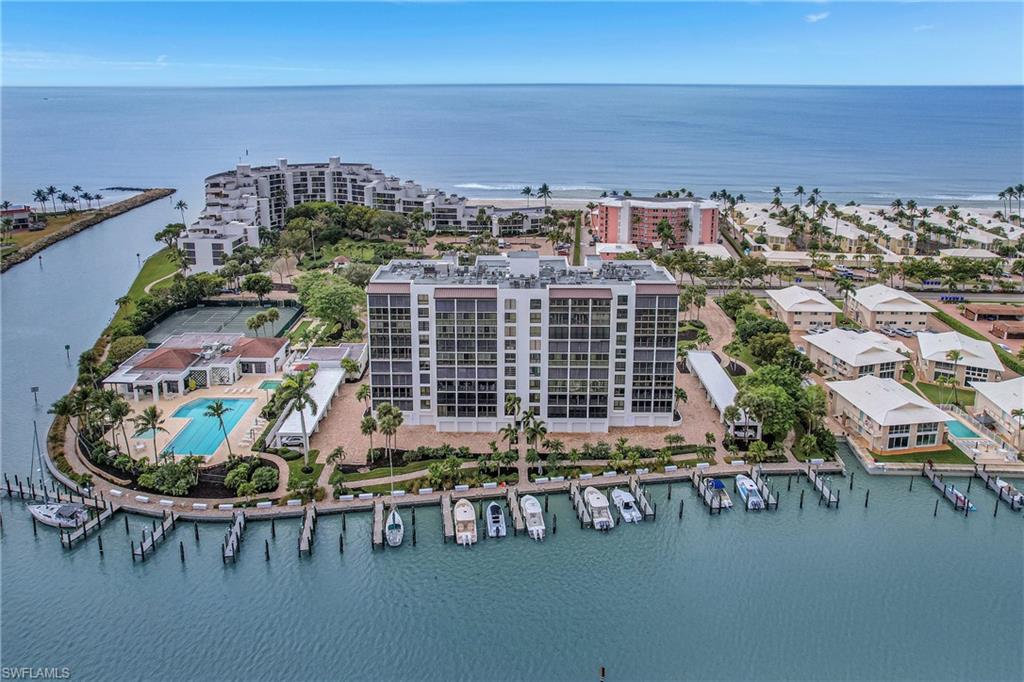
x=86 y=221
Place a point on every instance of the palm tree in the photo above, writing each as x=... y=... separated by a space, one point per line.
x=51 y=193
x=512 y=404
x=217 y=410
x=150 y=420
x=555 y=448
x=181 y=206
x=118 y=410
x=389 y=419
x=66 y=407
x=535 y=432
x=97 y=198
x=545 y=193
x=77 y=189
x=1018 y=414
x=681 y=395
x=955 y=357
x=527 y=192
x=273 y=315
x=363 y=394
x=509 y=433
x=799 y=193
x=368 y=427
x=731 y=415
x=40 y=196
x=296 y=388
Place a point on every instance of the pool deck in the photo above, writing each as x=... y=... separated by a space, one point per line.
x=143 y=447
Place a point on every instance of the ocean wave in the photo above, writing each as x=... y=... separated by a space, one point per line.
x=517 y=187
x=962 y=197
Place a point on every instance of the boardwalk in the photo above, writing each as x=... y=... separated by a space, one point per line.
x=579 y=505
x=771 y=502
x=155 y=537
x=447 y=522
x=378 y=522
x=959 y=501
x=233 y=538
x=308 y=532
x=821 y=485
x=69 y=538
x=645 y=506
x=1015 y=502
x=515 y=511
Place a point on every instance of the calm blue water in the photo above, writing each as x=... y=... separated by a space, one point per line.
x=959 y=429
x=203 y=435
x=937 y=144
x=882 y=593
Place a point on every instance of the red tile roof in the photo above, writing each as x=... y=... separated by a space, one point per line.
x=169 y=358
x=260 y=347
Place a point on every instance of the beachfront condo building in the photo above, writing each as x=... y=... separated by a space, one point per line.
x=259 y=196
x=878 y=307
x=977 y=358
x=886 y=416
x=584 y=347
x=635 y=220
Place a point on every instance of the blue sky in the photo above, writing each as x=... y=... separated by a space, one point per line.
x=213 y=44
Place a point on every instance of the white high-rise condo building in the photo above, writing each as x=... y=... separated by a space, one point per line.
x=258 y=196
x=585 y=348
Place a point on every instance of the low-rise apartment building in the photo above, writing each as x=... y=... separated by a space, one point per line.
x=585 y=348
x=978 y=360
x=846 y=354
x=887 y=416
x=994 y=406
x=802 y=308
x=878 y=306
x=635 y=220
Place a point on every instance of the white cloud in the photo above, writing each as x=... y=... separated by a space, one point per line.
x=815 y=18
x=923 y=27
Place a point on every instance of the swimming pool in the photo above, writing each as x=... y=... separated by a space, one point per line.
x=270 y=384
x=202 y=435
x=959 y=429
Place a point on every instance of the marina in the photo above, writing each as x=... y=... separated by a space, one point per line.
x=233 y=538
x=152 y=538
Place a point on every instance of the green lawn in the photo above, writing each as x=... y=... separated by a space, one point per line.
x=941 y=395
x=156 y=267
x=421 y=465
x=296 y=477
x=953 y=455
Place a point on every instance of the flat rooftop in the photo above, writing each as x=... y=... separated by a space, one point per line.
x=521 y=270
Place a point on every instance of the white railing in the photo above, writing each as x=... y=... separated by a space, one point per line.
x=984 y=432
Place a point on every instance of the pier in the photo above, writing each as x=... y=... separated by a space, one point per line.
x=1015 y=503
x=579 y=505
x=646 y=507
x=447 y=522
x=771 y=502
x=959 y=501
x=157 y=535
x=515 y=511
x=233 y=538
x=706 y=493
x=308 y=532
x=378 y=523
x=825 y=493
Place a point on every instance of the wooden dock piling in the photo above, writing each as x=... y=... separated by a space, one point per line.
x=158 y=535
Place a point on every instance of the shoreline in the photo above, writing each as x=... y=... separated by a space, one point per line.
x=102 y=214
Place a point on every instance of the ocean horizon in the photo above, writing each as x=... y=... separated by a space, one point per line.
x=869 y=144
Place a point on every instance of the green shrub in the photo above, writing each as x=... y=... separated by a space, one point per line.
x=237 y=476
x=124 y=347
x=264 y=479
x=289 y=455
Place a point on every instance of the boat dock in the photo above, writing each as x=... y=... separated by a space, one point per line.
x=68 y=538
x=579 y=505
x=157 y=535
x=233 y=538
x=514 y=510
x=1015 y=504
x=378 y=523
x=447 y=522
x=959 y=501
x=771 y=502
x=825 y=493
x=646 y=507
x=308 y=533
x=707 y=495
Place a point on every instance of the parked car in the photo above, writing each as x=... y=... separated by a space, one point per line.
x=889 y=331
x=801 y=350
x=903 y=331
x=871 y=271
x=1005 y=347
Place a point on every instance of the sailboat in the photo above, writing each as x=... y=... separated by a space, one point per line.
x=394 y=529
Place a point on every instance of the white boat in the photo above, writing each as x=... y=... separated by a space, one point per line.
x=60 y=515
x=600 y=512
x=748 y=492
x=718 y=491
x=394 y=529
x=627 y=506
x=465 y=523
x=1012 y=495
x=534 y=516
x=495 y=521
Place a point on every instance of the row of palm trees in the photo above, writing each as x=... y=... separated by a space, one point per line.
x=543 y=192
x=1008 y=195
x=53 y=195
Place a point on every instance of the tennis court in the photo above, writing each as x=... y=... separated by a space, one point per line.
x=218 y=319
